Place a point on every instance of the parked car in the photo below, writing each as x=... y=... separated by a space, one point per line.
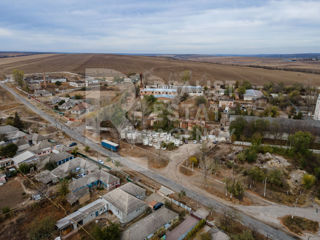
x=100 y=161
x=157 y=206
x=73 y=144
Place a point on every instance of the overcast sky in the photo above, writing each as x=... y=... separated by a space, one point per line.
x=161 y=26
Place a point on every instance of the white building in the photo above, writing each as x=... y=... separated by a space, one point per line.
x=61 y=80
x=25 y=157
x=317 y=110
x=252 y=94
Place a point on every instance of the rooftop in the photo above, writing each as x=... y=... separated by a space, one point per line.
x=125 y=202
x=133 y=189
x=149 y=224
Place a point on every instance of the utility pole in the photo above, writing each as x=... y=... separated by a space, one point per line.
x=265 y=187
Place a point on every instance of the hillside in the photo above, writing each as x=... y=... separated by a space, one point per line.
x=160 y=66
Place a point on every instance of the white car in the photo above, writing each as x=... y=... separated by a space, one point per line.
x=100 y=161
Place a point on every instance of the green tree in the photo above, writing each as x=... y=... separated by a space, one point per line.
x=25 y=168
x=301 y=142
x=63 y=188
x=234 y=187
x=17 y=121
x=186 y=76
x=245 y=235
x=87 y=149
x=256 y=174
x=50 y=166
x=276 y=178
x=201 y=100
x=18 y=77
x=237 y=127
x=308 y=180
x=42 y=229
x=111 y=232
x=58 y=83
x=9 y=150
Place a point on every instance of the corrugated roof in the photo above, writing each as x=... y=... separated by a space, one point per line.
x=149 y=224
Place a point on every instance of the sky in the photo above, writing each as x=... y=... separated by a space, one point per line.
x=161 y=26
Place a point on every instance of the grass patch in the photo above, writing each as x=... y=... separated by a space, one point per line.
x=299 y=224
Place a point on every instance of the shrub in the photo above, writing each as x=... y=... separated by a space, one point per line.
x=42 y=228
x=193 y=160
x=308 y=180
x=235 y=188
x=300 y=224
x=196 y=228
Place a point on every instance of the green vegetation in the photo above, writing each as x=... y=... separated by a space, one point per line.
x=205 y=236
x=235 y=188
x=9 y=150
x=58 y=83
x=18 y=77
x=50 y=166
x=194 y=230
x=63 y=188
x=308 y=180
x=169 y=146
x=25 y=168
x=193 y=161
x=200 y=100
x=111 y=232
x=299 y=225
x=42 y=229
x=87 y=149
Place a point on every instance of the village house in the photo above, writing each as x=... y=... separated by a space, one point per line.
x=123 y=205
x=7 y=162
x=252 y=94
x=147 y=227
x=42 y=148
x=81 y=217
x=25 y=157
x=42 y=93
x=134 y=190
x=59 y=158
x=61 y=80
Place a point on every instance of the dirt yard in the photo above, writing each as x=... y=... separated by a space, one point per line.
x=12 y=194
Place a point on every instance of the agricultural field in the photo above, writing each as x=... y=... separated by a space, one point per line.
x=166 y=68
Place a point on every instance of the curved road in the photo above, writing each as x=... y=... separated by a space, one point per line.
x=270 y=231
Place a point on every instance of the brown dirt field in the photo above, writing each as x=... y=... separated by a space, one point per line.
x=160 y=66
x=11 y=194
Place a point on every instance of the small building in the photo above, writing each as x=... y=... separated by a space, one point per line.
x=46 y=177
x=147 y=227
x=81 y=217
x=81 y=196
x=77 y=84
x=67 y=105
x=59 y=158
x=3 y=179
x=25 y=157
x=55 y=80
x=252 y=94
x=42 y=93
x=42 y=148
x=123 y=205
x=226 y=103
x=7 y=162
x=80 y=108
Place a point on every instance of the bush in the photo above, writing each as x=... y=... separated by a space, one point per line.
x=111 y=232
x=196 y=228
x=308 y=180
x=25 y=168
x=50 y=166
x=256 y=174
x=245 y=235
x=42 y=228
x=299 y=224
x=205 y=236
x=9 y=150
x=276 y=178
x=193 y=160
x=235 y=188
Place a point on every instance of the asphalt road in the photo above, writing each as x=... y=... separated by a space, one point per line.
x=271 y=231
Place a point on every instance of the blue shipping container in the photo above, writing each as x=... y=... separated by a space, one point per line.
x=110 y=145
